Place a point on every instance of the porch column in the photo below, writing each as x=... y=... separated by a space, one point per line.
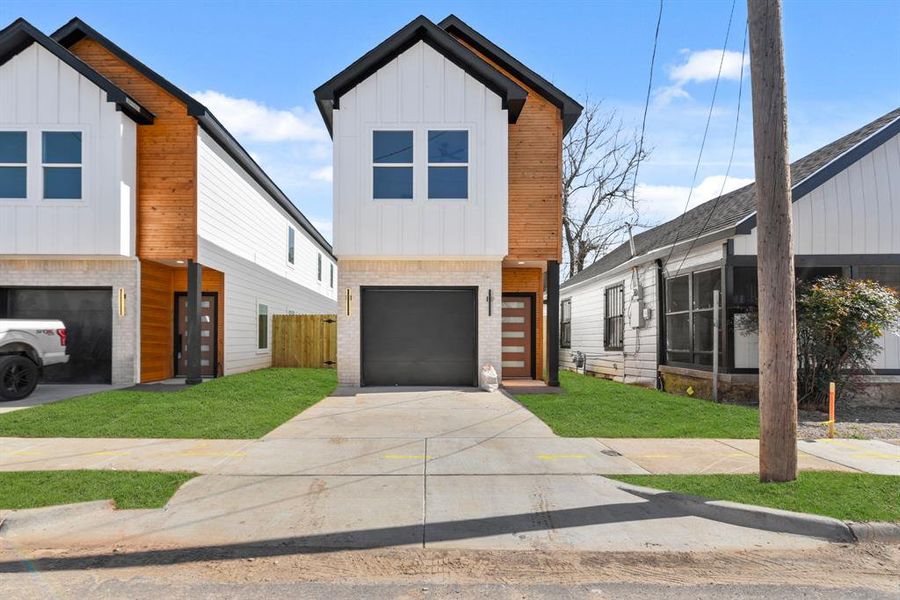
x=195 y=287
x=553 y=323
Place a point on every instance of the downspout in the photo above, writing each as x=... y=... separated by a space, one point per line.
x=660 y=321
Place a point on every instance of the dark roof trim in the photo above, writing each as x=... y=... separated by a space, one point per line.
x=20 y=34
x=76 y=30
x=831 y=169
x=569 y=108
x=328 y=95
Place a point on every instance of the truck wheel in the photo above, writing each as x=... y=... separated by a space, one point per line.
x=18 y=377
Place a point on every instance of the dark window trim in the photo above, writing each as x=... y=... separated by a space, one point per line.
x=723 y=322
x=563 y=342
x=607 y=345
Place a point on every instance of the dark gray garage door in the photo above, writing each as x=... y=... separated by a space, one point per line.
x=419 y=336
x=87 y=313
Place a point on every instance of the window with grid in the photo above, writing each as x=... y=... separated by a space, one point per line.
x=689 y=317
x=614 y=318
x=392 y=165
x=13 y=165
x=565 y=324
x=448 y=165
x=61 y=163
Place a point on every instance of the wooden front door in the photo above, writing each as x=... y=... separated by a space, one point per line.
x=208 y=335
x=518 y=336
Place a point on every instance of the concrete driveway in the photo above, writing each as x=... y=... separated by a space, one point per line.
x=54 y=392
x=433 y=468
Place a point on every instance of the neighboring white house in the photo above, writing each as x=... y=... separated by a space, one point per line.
x=116 y=189
x=647 y=318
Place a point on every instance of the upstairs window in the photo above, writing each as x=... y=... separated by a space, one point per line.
x=614 y=318
x=331 y=276
x=13 y=169
x=291 y=234
x=565 y=324
x=448 y=165
x=319 y=268
x=392 y=165
x=61 y=162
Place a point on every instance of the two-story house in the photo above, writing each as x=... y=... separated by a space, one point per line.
x=129 y=212
x=447 y=209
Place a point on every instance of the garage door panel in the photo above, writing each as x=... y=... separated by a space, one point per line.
x=87 y=314
x=418 y=336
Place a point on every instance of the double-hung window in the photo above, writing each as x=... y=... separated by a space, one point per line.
x=614 y=318
x=13 y=165
x=61 y=163
x=565 y=324
x=392 y=165
x=448 y=165
x=689 y=317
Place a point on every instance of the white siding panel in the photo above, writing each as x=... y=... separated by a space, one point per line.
x=39 y=93
x=420 y=90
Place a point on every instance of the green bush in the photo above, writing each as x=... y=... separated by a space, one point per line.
x=839 y=323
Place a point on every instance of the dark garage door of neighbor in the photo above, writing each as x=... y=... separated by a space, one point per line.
x=419 y=336
x=87 y=313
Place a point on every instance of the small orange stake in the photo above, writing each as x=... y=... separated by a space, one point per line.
x=831 y=410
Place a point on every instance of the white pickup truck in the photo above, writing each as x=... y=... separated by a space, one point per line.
x=26 y=347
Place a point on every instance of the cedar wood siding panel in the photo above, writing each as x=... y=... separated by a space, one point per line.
x=535 y=177
x=158 y=286
x=530 y=280
x=166 y=161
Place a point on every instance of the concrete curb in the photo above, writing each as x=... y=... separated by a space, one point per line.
x=747 y=515
x=887 y=533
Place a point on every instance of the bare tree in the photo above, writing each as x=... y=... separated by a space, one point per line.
x=599 y=163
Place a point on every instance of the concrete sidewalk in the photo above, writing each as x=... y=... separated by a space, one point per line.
x=371 y=455
x=423 y=468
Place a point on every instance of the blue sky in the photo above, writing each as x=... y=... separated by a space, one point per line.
x=256 y=64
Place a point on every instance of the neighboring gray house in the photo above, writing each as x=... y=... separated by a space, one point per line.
x=647 y=318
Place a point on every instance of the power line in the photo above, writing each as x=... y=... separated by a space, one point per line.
x=737 y=120
x=705 y=133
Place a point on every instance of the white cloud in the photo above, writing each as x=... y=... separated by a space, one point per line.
x=660 y=203
x=250 y=120
x=700 y=66
x=323 y=174
x=323 y=226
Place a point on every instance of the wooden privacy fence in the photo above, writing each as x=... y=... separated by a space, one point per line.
x=304 y=340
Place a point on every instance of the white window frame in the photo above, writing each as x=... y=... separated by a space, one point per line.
x=373 y=164
x=34 y=184
x=331 y=275
x=7 y=201
x=291 y=260
x=467 y=165
x=43 y=165
x=319 y=267
x=267 y=349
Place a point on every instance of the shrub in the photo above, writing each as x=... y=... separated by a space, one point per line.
x=839 y=323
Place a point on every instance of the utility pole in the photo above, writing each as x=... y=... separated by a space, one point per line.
x=775 y=247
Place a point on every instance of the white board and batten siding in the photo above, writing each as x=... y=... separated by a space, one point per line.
x=38 y=92
x=243 y=232
x=855 y=212
x=420 y=90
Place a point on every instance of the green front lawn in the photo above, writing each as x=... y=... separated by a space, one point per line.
x=594 y=407
x=845 y=496
x=128 y=489
x=242 y=406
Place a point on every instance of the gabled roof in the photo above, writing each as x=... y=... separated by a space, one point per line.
x=328 y=95
x=569 y=108
x=735 y=212
x=20 y=34
x=76 y=30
